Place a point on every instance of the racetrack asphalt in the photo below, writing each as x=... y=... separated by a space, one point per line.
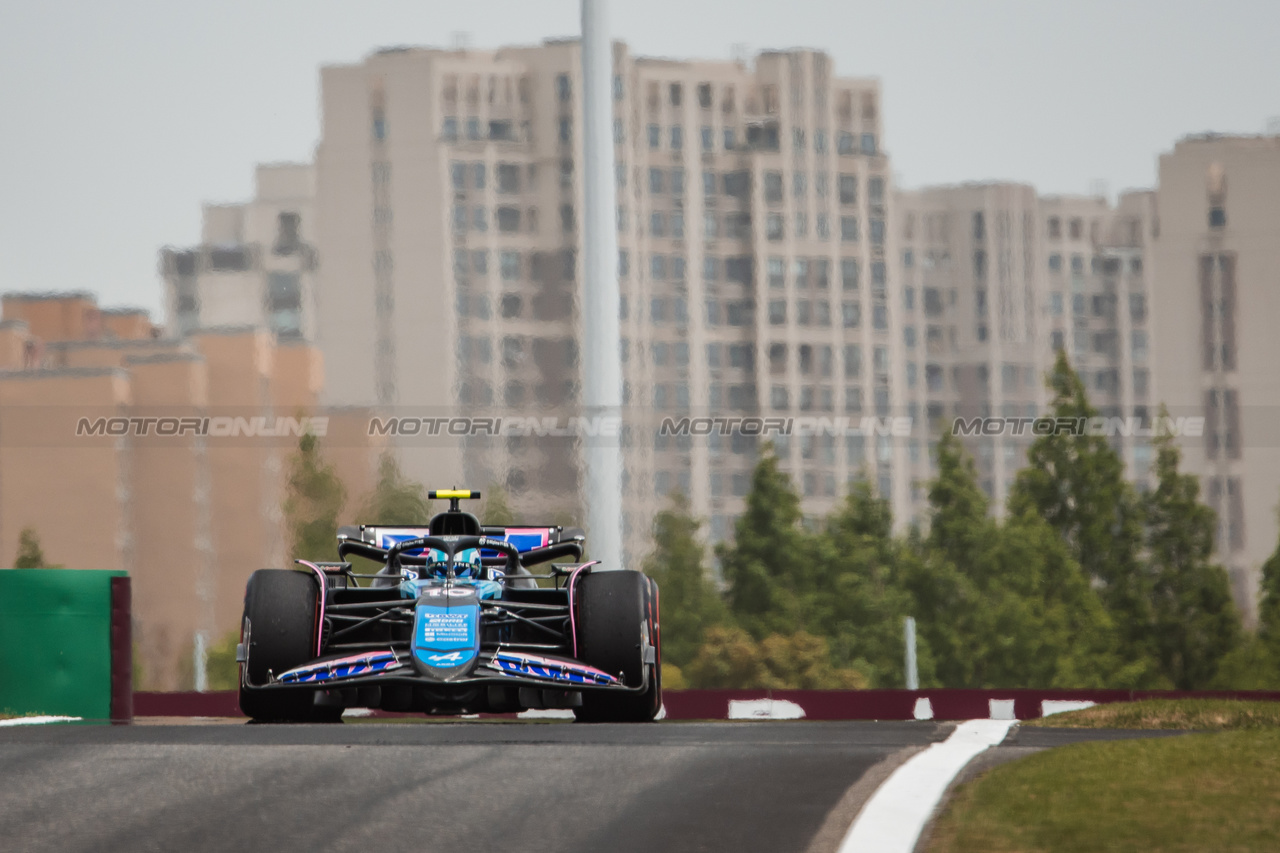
x=472 y=786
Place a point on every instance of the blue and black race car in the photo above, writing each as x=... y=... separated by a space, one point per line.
x=453 y=622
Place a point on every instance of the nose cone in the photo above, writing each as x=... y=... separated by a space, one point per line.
x=446 y=632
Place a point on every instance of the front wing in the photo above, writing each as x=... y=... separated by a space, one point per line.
x=492 y=668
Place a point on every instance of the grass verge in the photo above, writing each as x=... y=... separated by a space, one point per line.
x=1218 y=791
x=1200 y=714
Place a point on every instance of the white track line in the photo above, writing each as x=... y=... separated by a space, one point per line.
x=896 y=813
x=37 y=721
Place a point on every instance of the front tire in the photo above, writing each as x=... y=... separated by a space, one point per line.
x=279 y=633
x=617 y=628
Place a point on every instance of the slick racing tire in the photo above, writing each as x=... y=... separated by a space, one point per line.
x=615 y=628
x=279 y=633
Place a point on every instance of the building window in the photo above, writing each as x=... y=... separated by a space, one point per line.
x=655 y=181
x=851 y=312
x=849 y=229
x=1217 y=217
x=655 y=136
x=509 y=262
x=773 y=226
x=777 y=312
x=739 y=269
x=710 y=268
x=508 y=178
x=677 y=137
x=849 y=273
x=1137 y=307
x=657 y=267
x=708 y=138
x=508 y=219
x=823 y=227
x=777 y=270
x=677 y=181
x=564 y=91
x=773 y=186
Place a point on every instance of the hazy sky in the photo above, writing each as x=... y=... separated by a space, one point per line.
x=117 y=119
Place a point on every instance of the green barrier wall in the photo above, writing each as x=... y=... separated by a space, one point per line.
x=55 y=642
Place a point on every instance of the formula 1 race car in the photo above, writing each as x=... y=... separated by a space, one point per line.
x=453 y=622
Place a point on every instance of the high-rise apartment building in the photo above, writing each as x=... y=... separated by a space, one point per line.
x=1217 y=255
x=121 y=450
x=255 y=265
x=754 y=263
x=995 y=280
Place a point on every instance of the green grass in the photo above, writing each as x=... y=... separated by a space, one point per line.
x=1199 y=792
x=1198 y=714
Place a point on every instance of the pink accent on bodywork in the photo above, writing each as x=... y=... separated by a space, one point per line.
x=573 y=627
x=324 y=588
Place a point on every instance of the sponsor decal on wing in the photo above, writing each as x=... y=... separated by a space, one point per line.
x=536 y=666
x=347 y=667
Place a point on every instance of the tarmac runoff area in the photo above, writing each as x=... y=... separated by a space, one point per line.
x=531 y=786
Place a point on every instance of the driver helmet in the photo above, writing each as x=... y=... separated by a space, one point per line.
x=466 y=563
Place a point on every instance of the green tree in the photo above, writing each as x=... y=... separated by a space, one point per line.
x=1251 y=665
x=496 y=510
x=690 y=602
x=1269 y=605
x=947 y=572
x=30 y=554
x=1076 y=484
x=769 y=557
x=314 y=495
x=802 y=661
x=1003 y=605
x=858 y=603
x=395 y=499
x=220 y=667
x=728 y=658
x=1194 y=620
x=799 y=661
